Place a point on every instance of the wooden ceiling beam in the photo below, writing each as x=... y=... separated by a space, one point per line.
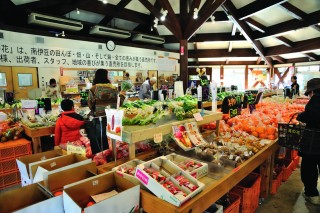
x=256 y=25
x=257 y=6
x=312 y=56
x=300 y=46
x=222 y=53
x=158 y=15
x=231 y=10
x=119 y=7
x=293 y=11
x=204 y=13
x=298 y=60
x=279 y=59
x=172 y=18
x=183 y=17
x=274 y=30
x=194 y=4
x=203 y=37
x=258 y=60
x=212 y=63
x=285 y=41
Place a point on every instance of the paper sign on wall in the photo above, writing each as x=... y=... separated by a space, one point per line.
x=114 y=123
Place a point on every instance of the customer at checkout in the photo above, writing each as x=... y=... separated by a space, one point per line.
x=68 y=124
x=146 y=87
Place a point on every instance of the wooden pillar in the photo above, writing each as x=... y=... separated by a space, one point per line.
x=221 y=75
x=246 y=76
x=184 y=63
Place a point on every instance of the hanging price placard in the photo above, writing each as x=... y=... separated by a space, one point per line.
x=158 y=138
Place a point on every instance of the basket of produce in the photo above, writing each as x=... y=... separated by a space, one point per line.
x=296 y=136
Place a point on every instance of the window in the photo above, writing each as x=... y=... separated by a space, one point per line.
x=258 y=75
x=305 y=73
x=3 y=79
x=24 y=80
x=234 y=76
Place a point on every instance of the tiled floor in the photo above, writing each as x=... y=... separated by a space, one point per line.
x=289 y=198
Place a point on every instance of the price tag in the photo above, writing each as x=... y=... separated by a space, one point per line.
x=43 y=158
x=198 y=116
x=230 y=157
x=250 y=153
x=95 y=182
x=158 y=138
x=246 y=154
x=53 y=164
x=237 y=158
x=76 y=150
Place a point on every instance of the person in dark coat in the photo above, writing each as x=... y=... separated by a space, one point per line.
x=68 y=124
x=294 y=87
x=310 y=164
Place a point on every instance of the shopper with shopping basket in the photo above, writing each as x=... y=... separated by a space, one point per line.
x=310 y=164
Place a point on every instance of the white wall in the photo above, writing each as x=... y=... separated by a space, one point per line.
x=45 y=73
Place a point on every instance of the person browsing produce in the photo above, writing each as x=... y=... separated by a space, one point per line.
x=146 y=87
x=52 y=91
x=310 y=164
x=68 y=124
x=101 y=95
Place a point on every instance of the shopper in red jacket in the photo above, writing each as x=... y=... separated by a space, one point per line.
x=68 y=124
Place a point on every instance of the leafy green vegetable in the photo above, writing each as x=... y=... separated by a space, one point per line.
x=125 y=86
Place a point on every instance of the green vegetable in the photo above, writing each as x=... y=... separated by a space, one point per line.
x=125 y=86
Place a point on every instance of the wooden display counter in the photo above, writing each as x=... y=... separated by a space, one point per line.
x=135 y=134
x=215 y=189
x=36 y=133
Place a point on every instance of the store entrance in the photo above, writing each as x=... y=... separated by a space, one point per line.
x=24 y=79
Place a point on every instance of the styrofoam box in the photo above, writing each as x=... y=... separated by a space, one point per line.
x=132 y=163
x=168 y=169
x=30 y=199
x=77 y=195
x=197 y=173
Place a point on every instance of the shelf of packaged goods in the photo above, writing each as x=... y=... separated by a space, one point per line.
x=134 y=134
x=36 y=133
x=215 y=189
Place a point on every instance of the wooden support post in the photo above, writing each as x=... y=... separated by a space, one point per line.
x=132 y=151
x=266 y=169
x=184 y=75
x=246 y=75
x=221 y=75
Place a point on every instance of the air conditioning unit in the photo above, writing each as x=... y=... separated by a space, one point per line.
x=49 y=21
x=111 y=32
x=148 y=39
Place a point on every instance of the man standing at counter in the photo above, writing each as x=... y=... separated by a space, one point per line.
x=146 y=87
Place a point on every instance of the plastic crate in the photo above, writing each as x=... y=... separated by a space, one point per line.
x=296 y=162
x=235 y=204
x=276 y=183
x=249 y=190
x=8 y=166
x=9 y=179
x=287 y=168
x=14 y=149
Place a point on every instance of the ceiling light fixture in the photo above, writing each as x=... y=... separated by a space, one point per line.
x=164 y=14
x=78 y=11
x=195 y=13
x=62 y=34
x=213 y=19
x=104 y=1
x=151 y=28
x=156 y=21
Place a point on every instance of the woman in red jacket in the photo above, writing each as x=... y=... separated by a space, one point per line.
x=68 y=124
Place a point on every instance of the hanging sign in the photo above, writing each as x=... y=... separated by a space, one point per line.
x=181 y=50
x=232 y=104
x=114 y=123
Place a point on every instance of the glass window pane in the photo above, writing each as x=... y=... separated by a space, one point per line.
x=24 y=80
x=3 y=79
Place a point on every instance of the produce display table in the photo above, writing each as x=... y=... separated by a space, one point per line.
x=135 y=134
x=215 y=189
x=36 y=133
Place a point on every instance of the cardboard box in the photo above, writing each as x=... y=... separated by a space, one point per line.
x=30 y=199
x=77 y=195
x=133 y=164
x=169 y=170
x=25 y=162
x=181 y=161
x=55 y=180
x=59 y=164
